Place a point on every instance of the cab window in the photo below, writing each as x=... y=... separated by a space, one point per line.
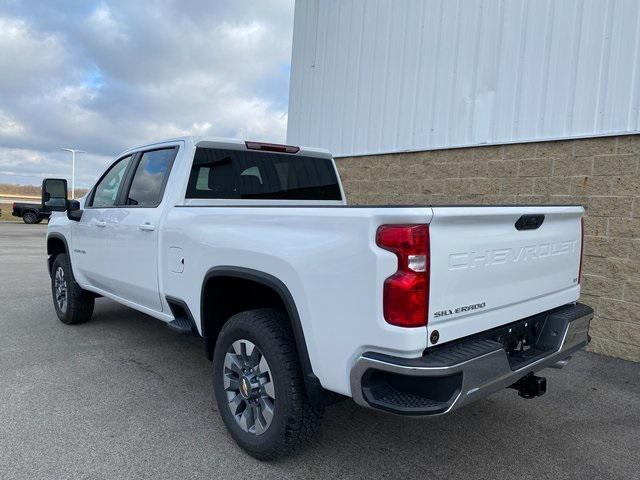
x=106 y=191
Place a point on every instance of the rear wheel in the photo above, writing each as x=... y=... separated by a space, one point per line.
x=29 y=217
x=258 y=385
x=72 y=303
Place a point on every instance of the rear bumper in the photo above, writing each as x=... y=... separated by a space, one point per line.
x=461 y=372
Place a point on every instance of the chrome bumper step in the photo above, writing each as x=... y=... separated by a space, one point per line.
x=453 y=375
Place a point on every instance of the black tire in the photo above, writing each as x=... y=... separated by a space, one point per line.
x=39 y=220
x=29 y=217
x=78 y=305
x=294 y=420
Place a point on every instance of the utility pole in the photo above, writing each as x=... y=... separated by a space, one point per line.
x=73 y=169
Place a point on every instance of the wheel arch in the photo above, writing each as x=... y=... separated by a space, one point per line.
x=210 y=326
x=56 y=244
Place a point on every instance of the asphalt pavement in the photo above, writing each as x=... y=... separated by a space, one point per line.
x=124 y=397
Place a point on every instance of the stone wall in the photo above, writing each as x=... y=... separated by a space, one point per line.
x=599 y=173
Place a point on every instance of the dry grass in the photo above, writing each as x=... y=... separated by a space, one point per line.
x=29 y=190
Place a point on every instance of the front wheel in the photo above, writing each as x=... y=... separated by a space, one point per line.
x=258 y=385
x=72 y=303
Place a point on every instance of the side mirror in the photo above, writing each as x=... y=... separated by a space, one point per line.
x=54 y=195
x=73 y=210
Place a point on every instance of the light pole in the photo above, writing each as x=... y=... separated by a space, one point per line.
x=73 y=169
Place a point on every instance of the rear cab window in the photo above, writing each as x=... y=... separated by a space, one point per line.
x=240 y=174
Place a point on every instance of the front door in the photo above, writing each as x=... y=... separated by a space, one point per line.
x=89 y=234
x=132 y=243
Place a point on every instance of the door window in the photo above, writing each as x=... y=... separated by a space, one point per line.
x=106 y=192
x=151 y=174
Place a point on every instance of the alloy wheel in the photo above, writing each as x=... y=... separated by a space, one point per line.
x=248 y=384
x=60 y=286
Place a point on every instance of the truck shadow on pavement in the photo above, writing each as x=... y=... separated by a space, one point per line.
x=561 y=435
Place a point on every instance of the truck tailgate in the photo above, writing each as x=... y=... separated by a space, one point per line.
x=487 y=271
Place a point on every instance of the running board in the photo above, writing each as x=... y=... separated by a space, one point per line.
x=181 y=325
x=183 y=322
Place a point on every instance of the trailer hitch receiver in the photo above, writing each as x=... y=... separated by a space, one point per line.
x=530 y=386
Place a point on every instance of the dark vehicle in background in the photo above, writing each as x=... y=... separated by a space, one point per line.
x=30 y=212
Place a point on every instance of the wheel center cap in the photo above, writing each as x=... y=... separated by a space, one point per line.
x=245 y=387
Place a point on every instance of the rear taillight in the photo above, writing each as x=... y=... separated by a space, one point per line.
x=406 y=292
x=581 y=248
x=13 y=206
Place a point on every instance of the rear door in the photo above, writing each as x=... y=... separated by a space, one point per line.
x=495 y=265
x=132 y=246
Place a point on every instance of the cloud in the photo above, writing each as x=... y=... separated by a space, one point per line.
x=103 y=25
x=10 y=127
x=25 y=166
x=28 y=57
x=105 y=76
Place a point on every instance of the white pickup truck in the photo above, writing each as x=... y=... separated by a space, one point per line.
x=302 y=300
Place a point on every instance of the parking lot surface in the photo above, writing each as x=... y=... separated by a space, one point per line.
x=124 y=397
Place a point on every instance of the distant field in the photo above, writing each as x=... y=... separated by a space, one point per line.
x=29 y=190
x=6 y=216
x=14 y=189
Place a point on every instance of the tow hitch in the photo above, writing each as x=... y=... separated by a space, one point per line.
x=530 y=386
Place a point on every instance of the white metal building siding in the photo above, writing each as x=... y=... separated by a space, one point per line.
x=374 y=76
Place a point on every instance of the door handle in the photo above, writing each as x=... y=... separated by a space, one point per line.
x=101 y=223
x=147 y=227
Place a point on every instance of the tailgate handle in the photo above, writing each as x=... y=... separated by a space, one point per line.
x=529 y=222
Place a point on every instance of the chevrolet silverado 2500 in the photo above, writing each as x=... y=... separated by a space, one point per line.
x=301 y=299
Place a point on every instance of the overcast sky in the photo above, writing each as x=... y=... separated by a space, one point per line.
x=103 y=76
